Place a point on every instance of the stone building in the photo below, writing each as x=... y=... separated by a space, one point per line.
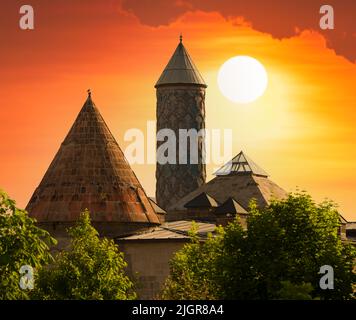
x=148 y=253
x=240 y=180
x=180 y=105
x=90 y=171
x=216 y=202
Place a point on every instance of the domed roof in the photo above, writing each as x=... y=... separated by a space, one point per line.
x=90 y=171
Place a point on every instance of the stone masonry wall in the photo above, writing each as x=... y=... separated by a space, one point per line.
x=180 y=107
x=148 y=264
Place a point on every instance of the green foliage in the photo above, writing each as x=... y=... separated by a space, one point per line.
x=21 y=243
x=290 y=291
x=191 y=269
x=91 y=268
x=279 y=254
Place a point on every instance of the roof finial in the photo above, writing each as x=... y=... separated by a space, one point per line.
x=89 y=93
x=180 y=38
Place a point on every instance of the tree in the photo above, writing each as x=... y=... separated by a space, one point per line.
x=21 y=243
x=290 y=240
x=192 y=268
x=278 y=256
x=290 y=291
x=91 y=268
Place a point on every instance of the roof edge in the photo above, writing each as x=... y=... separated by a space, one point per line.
x=181 y=84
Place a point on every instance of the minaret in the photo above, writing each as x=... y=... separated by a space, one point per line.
x=180 y=105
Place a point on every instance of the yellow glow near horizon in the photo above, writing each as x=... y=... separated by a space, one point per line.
x=242 y=79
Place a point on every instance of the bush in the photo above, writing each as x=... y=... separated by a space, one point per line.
x=91 y=268
x=21 y=243
x=282 y=249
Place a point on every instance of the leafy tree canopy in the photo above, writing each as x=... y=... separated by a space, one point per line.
x=192 y=269
x=278 y=257
x=21 y=243
x=91 y=268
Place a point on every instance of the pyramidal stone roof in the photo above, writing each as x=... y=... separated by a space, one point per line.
x=241 y=164
x=230 y=206
x=240 y=179
x=203 y=200
x=180 y=69
x=90 y=171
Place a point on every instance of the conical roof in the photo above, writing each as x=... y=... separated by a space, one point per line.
x=90 y=171
x=241 y=164
x=180 y=69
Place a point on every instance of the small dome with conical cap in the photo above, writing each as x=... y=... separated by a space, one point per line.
x=180 y=69
x=90 y=171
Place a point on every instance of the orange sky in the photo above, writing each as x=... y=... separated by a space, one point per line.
x=301 y=131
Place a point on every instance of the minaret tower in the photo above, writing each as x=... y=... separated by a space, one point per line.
x=180 y=105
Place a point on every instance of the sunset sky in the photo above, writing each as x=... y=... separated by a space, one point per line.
x=301 y=131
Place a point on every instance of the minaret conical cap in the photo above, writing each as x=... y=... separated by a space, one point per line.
x=180 y=69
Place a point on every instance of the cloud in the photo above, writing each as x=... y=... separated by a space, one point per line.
x=280 y=18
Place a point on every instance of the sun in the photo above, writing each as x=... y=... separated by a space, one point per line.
x=242 y=79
